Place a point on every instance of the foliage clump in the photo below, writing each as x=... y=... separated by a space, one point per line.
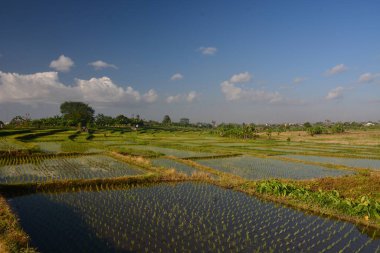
x=363 y=206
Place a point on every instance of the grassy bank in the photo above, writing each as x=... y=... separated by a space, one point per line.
x=12 y=237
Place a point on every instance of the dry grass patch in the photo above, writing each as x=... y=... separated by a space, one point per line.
x=351 y=137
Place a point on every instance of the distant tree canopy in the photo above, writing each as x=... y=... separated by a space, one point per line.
x=122 y=120
x=102 y=120
x=245 y=131
x=19 y=121
x=166 y=120
x=77 y=112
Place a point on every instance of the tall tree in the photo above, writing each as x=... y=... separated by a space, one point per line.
x=77 y=112
x=166 y=120
x=121 y=120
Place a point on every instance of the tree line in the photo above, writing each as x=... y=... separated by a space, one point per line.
x=81 y=115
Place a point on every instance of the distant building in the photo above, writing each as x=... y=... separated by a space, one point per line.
x=369 y=124
x=184 y=121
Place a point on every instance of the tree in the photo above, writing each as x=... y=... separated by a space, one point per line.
x=307 y=125
x=77 y=113
x=166 y=120
x=337 y=128
x=101 y=120
x=121 y=120
x=19 y=121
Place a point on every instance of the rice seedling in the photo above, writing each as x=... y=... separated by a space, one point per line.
x=40 y=169
x=186 y=217
x=351 y=162
x=261 y=168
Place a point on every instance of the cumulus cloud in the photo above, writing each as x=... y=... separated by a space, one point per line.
x=103 y=90
x=62 y=64
x=298 y=80
x=151 y=96
x=336 y=69
x=45 y=87
x=189 y=97
x=173 y=99
x=208 y=50
x=232 y=92
x=38 y=87
x=335 y=93
x=98 y=65
x=368 y=77
x=241 y=78
x=176 y=76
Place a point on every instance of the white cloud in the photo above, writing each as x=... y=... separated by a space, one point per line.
x=233 y=93
x=102 y=65
x=335 y=93
x=45 y=87
x=62 y=64
x=38 y=87
x=298 y=79
x=173 y=99
x=208 y=50
x=151 y=96
x=176 y=76
x=336 y=69
x=103 y=90
x=368 y=77
x=241 y=78
x=230 y=91
x=191 y=96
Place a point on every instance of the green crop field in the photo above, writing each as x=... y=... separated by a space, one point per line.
x=152 y=190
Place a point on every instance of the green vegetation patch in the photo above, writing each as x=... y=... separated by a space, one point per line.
x=362 y=206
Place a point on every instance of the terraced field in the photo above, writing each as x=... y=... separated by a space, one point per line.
x=63 y=168
x=185 y=217
x=170 y=164
x=351 y=162
x=264 y=168
x=139 y=216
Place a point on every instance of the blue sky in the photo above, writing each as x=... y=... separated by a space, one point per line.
x=229 y=61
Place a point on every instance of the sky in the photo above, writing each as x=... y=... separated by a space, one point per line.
x=227 y=61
